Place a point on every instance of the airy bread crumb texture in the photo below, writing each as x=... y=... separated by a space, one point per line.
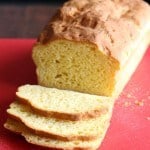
x=77 y=66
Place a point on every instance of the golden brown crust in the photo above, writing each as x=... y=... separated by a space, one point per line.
x=112 y=25
x=53 y=135
x=63 y=115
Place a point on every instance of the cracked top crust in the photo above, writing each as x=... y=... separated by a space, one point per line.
x=113 y=25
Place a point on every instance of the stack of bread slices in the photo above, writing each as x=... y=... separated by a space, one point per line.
x=60 y=119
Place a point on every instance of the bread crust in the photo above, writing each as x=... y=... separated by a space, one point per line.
x=25 y=129
x=53 y=135
x=63 y=115
x=114 y=26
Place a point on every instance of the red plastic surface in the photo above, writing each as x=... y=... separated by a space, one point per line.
x=130 y=125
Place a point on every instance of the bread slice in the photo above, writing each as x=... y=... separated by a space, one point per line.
x=62 y=103
x=89 y=44
x=18 y=127
x=59 y=129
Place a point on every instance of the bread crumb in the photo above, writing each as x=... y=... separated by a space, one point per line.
x=148 y=118
x=127 y=104
x=129 y=95
x=139 y=103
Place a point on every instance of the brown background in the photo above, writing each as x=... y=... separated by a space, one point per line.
x=24 y=20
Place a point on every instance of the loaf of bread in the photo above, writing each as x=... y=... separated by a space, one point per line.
x=59 y=129
x=19 y=128
x=93 y=46
x=63 y=104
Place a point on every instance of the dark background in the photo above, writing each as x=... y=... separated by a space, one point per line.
x=25 y=19
x=37 y=1
x=33 y=1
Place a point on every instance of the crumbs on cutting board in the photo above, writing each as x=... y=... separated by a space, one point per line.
x=129 y=99
x=130 y=96
x=127 y=104
x=139 y=102
x=136 y=102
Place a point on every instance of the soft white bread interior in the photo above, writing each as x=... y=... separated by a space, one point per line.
x=18 y=127
x=63 y=104
x=60 y=129
x=88 y=45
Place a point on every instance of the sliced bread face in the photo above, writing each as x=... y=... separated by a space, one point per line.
x=63 y=104
x=18 y=127
x=59 y=129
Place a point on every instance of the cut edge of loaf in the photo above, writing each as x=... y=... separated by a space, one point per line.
x=69 y=77
x=19 y=128
x=64 y=115
x=64 y=136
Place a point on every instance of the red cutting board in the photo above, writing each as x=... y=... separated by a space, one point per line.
x=130 y=125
